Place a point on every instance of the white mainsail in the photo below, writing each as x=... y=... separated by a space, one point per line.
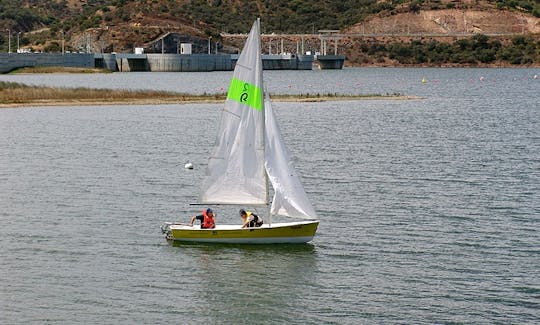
x=235 y=173
x=249 y=145
x=290 y=199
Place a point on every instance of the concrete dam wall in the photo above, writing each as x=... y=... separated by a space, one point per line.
x=10 y=61
x=154 y=62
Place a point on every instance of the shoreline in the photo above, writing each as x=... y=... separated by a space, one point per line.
x=183 y=101
x=75 y=70
x=20 y=95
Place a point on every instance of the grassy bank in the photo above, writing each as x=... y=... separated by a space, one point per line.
x=17 y=94
x=58 y=70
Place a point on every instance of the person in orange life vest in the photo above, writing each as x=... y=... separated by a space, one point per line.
x=206 y=218
x=250 y=219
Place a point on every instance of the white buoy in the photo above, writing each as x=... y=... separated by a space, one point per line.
x=535 y=76
x=188 y=166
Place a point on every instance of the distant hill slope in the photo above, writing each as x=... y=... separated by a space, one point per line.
x=121 y=25
x=449 y=21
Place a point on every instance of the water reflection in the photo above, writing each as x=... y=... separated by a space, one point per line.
x=257 y=282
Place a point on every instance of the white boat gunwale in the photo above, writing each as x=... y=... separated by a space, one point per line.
x=239 y=227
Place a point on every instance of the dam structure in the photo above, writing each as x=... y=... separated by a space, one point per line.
x=173 y=52
x=155 y=62
x=12 y=61
x=152 y=62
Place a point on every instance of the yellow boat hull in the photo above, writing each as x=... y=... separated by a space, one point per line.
x=278 y=233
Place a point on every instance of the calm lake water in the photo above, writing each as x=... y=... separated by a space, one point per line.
x=429 y=208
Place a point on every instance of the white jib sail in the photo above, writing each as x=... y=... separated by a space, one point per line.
x=290 y=199
x=235 y=173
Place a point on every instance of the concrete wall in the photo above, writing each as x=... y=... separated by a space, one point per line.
x=12 y=61
x=106 y=61
x=119 y=62
x=126 y=62
x=188 y=63
x=305 y=62
x=283 y=61
x=331 y=61
x=132 y=64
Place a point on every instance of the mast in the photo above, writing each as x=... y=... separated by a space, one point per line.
x=268 y=214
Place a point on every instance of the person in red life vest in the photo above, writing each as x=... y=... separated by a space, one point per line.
x=206 y=218
x=250 y=219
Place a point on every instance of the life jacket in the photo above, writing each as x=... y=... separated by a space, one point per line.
x=257 y=221
x=208 y=222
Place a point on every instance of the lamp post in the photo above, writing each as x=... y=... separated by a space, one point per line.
x=209 y=40
x=62 y=31
x=18 y=47
x=9 y=40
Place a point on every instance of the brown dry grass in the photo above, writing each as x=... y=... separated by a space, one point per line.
x=59 y=70
x=13 y=94
x=16 y=94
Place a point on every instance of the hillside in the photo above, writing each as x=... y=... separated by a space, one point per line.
x=449 y=22
x=121 y=25
x=445 y=37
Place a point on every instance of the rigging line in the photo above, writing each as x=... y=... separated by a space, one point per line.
x=231 y=112
x=243 y=66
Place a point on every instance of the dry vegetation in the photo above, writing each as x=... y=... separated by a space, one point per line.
x=16 y=94
x=59 y=70
x=13 y=94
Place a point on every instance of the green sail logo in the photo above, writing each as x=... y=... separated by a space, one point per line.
x=245 y=93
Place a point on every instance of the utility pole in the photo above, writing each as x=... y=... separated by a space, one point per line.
x=9 y=40
x=209 y=42
x=62 y=31
x=18 y=47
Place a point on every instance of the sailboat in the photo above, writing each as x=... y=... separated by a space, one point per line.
x=250 y=154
